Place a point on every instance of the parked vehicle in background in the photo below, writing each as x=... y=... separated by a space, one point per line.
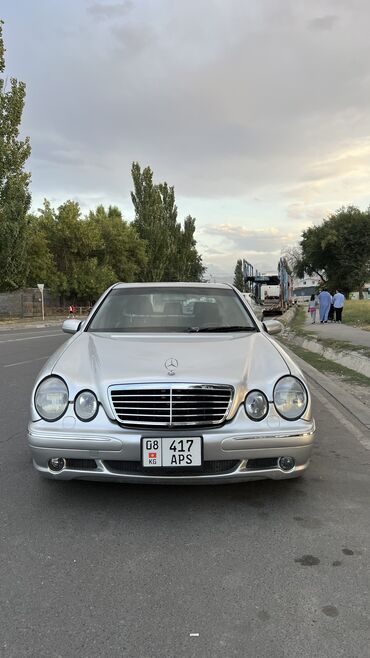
x=146 y=391
x=266 y=292
x=270 y=299
x=286 y=284
x=273 y=291
x=304 y=288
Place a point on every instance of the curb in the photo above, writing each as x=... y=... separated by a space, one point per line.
x=360 y=411
x=350 y=359
x=9 y=326
x=33 y=325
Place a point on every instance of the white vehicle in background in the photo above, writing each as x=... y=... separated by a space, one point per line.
x=304 y=288
x=270 y=299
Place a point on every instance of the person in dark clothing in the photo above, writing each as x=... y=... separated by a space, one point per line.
x=338 y=301
x=331 y=310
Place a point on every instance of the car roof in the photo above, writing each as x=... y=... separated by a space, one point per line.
x=174 y=284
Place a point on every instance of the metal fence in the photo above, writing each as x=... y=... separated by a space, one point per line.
x=26 y=303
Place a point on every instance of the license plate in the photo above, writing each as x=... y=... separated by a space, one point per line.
x=175 y=453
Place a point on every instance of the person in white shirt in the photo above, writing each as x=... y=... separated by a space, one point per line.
x=338 y=301
x=312 y=306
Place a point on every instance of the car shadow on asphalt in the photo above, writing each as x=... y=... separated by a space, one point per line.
x=131 y=498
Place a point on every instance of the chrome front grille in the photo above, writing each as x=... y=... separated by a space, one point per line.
x=177 y=405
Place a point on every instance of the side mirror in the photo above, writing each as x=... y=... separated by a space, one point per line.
x=71 y=326
x=272 y=327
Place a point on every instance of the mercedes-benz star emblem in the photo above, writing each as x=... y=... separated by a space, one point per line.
x=170 y=364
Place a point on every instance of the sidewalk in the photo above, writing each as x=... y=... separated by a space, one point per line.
x=340 y=344
x=334 y=331
x=36 y=323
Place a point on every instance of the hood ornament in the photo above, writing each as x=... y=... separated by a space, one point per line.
x=170 y=364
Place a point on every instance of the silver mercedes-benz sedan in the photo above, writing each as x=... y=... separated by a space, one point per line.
x=171 y=383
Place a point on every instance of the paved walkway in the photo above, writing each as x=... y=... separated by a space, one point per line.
x=37 y=323
x=339 y=332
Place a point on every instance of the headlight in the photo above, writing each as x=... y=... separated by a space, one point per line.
x=86 y=405
x=290 y=398
x=256 y=405
x=51 y=398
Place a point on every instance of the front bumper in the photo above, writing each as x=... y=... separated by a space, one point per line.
x=115 y=456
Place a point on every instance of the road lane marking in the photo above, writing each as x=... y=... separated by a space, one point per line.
x=20 y=363
x=32 y=332
x=15 y=340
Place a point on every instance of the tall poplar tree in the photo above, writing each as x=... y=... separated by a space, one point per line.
x=238 y=276
x=170 y=246
x=15 y=197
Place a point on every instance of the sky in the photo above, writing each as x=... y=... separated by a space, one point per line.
x=257 y=111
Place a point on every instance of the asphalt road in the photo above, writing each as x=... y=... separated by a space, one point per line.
x=257 y=570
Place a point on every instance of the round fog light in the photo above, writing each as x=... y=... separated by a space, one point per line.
x=57 y=463
x=286 y=463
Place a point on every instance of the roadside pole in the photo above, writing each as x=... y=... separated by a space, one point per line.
x=41 y=289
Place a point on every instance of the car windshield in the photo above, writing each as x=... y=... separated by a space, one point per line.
x=173 y=309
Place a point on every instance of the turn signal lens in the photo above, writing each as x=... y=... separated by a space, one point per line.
x=86 y=405
x=256 y=405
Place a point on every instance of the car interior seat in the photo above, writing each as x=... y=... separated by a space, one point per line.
x=173 y=308
x=206 y=313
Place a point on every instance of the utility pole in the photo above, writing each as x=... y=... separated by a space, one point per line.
x=41 y=289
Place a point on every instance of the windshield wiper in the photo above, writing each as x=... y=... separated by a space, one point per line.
x=220 y=329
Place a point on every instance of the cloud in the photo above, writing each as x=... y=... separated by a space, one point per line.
x=255 y=241
x=341 y=178
x=323 y=23
x=308 y=213
x=215 y=114
x=222 y=267
x=108 y=11
x=229 y=102
x=261 y=247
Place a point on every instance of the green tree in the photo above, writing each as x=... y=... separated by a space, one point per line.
x=40 y=265
x=119 y=249
x=79 y=257
x=149 y=222
x=171 y=247
x=14 y=181
x=338 y=250
x=191 y=267
x=74 y=243
x=238 y=275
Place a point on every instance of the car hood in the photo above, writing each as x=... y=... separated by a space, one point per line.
x=96 y=361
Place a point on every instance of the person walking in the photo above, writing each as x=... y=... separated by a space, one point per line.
x=325 y=303
x=312 y=305
x=331 y=310
x=338 y=301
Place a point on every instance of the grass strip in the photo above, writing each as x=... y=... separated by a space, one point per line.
x=324 y=365
x=356 y=312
